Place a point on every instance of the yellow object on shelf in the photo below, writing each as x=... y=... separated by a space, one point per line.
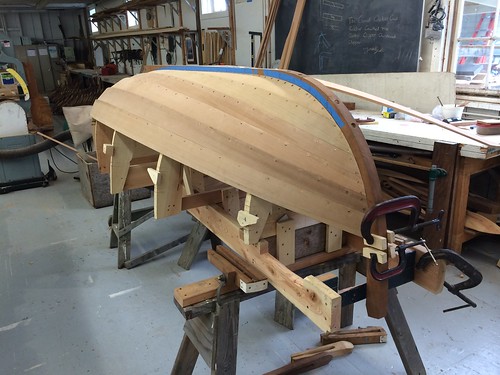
x=21 y=82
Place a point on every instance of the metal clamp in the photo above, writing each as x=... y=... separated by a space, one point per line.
x=410 y=202
x=474 y=276
x=222 y=282
x=381 y=276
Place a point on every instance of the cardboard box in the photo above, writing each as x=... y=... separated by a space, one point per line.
x=9 y=91
x=95 y=186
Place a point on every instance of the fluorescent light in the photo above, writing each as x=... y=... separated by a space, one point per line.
x=65 y=5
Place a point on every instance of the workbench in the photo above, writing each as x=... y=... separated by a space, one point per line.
x=472 y=158
x=85 y=74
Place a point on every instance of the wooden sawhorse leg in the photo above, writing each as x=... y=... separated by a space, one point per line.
x=186 y=357
x=347 y=279
x=124 y=219
x=113 y=220
x=401 y=334
x=192 y=246
x=215 y=337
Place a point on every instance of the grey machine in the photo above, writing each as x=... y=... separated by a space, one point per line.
x=19 y=169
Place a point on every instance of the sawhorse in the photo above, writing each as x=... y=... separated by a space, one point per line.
x=211 y=330
x=124 y=219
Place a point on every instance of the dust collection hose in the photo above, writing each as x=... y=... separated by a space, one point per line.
x=36 y=148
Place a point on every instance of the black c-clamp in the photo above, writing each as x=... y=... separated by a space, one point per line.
x=450 y=256
x=390 y=206
x=409 y=202
x=412 y=203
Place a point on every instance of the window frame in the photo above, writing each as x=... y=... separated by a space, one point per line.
x=211 y=3
x=488 y=43
x=94 y=26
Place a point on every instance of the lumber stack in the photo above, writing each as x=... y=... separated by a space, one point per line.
x=481 y=215
x=215 y=48
x=397 y=184
x=268 y=28
x=72 y=95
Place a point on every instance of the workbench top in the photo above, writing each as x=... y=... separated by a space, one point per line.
x=422 y=136
x=112 y=79
x=91 y=73
x=85 y=72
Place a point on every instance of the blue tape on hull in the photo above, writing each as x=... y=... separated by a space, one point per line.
x=278 y=74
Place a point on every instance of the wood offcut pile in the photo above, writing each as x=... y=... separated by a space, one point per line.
x=216 y=49
x=72 y=95
x=482 y=213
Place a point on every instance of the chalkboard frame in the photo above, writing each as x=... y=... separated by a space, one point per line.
x=353 y=36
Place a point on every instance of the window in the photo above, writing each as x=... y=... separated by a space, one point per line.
x=213 y=6
x=132 y=17
x=93 y=25
x=478 y=48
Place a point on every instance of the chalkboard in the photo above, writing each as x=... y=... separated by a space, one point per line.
x=353 y=36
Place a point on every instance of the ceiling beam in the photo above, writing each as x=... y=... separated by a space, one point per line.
x=41 y=4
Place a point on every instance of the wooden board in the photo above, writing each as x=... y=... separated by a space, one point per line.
x=478 y=222
x=131 y=33
x=273 y=12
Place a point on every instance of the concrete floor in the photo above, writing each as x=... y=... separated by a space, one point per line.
x=66 y=309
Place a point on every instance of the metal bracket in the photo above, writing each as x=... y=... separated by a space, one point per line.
x=222 y=282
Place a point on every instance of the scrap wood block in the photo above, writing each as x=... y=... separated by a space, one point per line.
x=244 y=277
x=351 y=106
x=190 y=294
x=239 y=275
x=369 y=335
x=335 y=350
x=313 y=358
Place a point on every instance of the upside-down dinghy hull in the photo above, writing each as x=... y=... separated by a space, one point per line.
x=278 y=135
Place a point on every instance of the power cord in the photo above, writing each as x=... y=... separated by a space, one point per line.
x=55 y=165
x=437 y=15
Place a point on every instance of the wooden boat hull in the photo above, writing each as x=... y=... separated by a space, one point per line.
x=278 y=135
x=281 y=137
